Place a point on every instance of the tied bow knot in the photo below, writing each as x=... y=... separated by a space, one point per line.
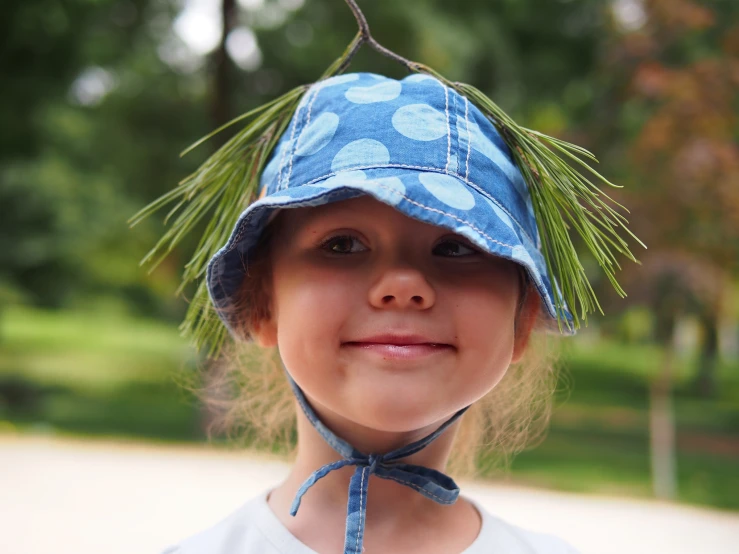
x=374 y=459
x=429 y=482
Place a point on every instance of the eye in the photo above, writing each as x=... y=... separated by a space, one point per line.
x=343 y=244
x=454 y=249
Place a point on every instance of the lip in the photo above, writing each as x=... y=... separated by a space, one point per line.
x=398 y=339
x=400 y=346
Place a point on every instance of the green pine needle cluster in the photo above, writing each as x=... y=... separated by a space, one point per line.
x=562 y=196
x=222 y=187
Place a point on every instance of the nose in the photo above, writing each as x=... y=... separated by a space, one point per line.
x=402 y=288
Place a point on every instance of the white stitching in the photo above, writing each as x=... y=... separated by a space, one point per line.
x=455 y=127
x=310 y=110
x=428 y=208
x=448 y=129
x=425 y=168
x=362 y=512
x=470 y=225
x=436 y=170
x=316 y=88
x=285 y=148
x=469 y=139
x=288 y=146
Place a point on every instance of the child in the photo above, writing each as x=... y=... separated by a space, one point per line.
x=393 y=258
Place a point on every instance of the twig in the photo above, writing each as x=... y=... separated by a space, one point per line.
x=366 y=36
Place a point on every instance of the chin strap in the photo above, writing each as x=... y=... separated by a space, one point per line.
x=429 y=482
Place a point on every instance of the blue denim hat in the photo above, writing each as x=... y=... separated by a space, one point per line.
x=414 y=144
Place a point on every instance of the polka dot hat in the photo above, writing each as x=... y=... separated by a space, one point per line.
x=414 y=144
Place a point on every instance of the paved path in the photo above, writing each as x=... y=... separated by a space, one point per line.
x=69 y=496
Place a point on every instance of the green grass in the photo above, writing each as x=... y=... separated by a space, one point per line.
x=88 y=374
x=599 y=436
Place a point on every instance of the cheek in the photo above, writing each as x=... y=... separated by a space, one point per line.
x=310 y=308
x=485 y=323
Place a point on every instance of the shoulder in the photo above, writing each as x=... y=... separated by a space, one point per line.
x=498 y=535
x=238 y=532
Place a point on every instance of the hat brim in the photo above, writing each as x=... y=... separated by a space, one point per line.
x=429 y=196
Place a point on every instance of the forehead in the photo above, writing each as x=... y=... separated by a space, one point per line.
x=363 y=209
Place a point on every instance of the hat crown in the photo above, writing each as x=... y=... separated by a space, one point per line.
x=359 y=121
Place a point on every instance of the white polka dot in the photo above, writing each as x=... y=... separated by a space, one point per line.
x=487 y=148
x=501 y=214
x=362 y=152
x=381 y=92
x=338 y=80
x=317 y=134
x=391 y=188
x=420 y=122
x=342 y=178
x=448 y=190
x=269 y=173
x=473 y=235
x=520 y=254
x=418 y=77
x=307 y=190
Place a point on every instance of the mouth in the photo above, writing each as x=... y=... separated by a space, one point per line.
x=401 y=347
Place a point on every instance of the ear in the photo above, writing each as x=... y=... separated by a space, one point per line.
x=525 y=323
x=264 y=332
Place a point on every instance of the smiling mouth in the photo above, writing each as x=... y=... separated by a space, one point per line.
x=401 y=350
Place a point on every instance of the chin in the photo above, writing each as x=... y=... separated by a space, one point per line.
x=398 y=413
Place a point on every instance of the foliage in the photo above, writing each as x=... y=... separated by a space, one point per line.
x=682 y=74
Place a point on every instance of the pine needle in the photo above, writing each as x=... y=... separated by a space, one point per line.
x=223 y=186
x=563 y=198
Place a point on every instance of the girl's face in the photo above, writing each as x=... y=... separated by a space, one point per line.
x=386 y=322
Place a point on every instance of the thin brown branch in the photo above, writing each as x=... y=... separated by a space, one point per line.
x=366 y=36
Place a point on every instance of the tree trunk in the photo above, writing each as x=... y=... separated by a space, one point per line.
x=223 y=68
x=662 y=429
x=705 y=381
x=668 y=307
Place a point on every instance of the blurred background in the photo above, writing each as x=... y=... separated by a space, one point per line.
x=98 y=98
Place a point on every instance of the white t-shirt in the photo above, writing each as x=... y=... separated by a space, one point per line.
x=255 y=529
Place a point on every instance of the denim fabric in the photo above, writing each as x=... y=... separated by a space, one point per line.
x=429 y=482
x=413 y=144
